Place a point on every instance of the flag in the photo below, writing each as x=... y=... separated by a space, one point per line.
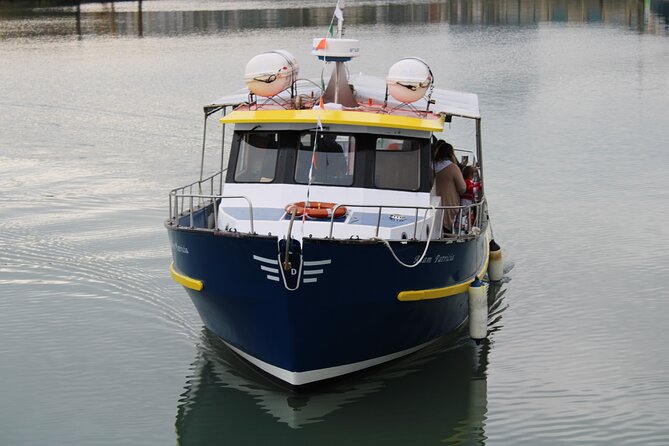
x=339 y=13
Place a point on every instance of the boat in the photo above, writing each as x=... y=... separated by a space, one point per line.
x=316 y=248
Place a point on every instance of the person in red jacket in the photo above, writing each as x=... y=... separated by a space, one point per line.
x=470 y=196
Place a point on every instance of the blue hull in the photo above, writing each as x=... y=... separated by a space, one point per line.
x=345 y=308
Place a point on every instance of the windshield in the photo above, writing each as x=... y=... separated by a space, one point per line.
x=365 y=160
x=256 y=162
x=330 y=157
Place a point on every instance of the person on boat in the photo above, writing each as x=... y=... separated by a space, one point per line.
x=470 y=196
x=450 y=183
x=330 y=159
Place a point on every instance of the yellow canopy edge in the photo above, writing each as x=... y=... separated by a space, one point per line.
x=343 y=117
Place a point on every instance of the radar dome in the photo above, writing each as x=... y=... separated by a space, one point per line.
x=409 y=79
x=270 y=73
x=335 y=50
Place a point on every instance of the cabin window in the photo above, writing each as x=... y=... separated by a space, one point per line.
x=397 y=164
x=256 y=161
x=333 y=159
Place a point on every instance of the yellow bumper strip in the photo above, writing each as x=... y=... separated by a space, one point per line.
x=452 y=290
x=186 y=281
x=333 y=117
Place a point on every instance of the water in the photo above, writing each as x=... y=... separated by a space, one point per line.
x=100 y=117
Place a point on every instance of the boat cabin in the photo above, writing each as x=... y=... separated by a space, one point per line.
x=370 y=163
x=344 y=157
x=363 y=153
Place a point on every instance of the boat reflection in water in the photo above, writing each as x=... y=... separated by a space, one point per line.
x=436 y=395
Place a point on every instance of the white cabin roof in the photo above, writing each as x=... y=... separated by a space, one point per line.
x=447 y=102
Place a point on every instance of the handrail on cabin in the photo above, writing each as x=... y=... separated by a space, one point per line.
x=211 y=199
x=178 y=196
x=471 y=214
x=463 y=213
x=181 y=191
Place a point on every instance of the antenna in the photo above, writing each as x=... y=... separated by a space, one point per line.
x=339 y=13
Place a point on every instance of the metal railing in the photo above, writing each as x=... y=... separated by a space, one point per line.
x=194 y=189
x=204 y=201
x=188 y=200
x=465 y=217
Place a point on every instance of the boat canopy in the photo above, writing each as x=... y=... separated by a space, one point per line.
x=445 y=102
x=342 y=117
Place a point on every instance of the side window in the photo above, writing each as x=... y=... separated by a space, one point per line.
x=397 y=164
x=256 y=161
x=333 y=161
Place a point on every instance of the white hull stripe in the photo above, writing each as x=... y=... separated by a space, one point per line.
x=266 y=260
x=316 y=262
x=274 y=278
x=311 y=272
x=269 y=270
x=310 y=280
x=299 y=378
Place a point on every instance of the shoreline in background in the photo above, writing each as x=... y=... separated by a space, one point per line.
x=142 y=18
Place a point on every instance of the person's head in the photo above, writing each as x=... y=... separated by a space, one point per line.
x=468 y=172
x=444 y=151
x=328 y=143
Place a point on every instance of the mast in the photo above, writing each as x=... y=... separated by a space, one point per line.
x=338 y=50
x=339 y=13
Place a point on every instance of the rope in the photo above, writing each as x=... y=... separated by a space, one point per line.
x=339 y=15
x=427 y=245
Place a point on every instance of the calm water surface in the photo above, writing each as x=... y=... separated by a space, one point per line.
x=100 y=116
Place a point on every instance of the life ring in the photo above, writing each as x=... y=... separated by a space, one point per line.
x=316 y=209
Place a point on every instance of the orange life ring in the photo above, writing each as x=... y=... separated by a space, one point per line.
x=316 y=209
